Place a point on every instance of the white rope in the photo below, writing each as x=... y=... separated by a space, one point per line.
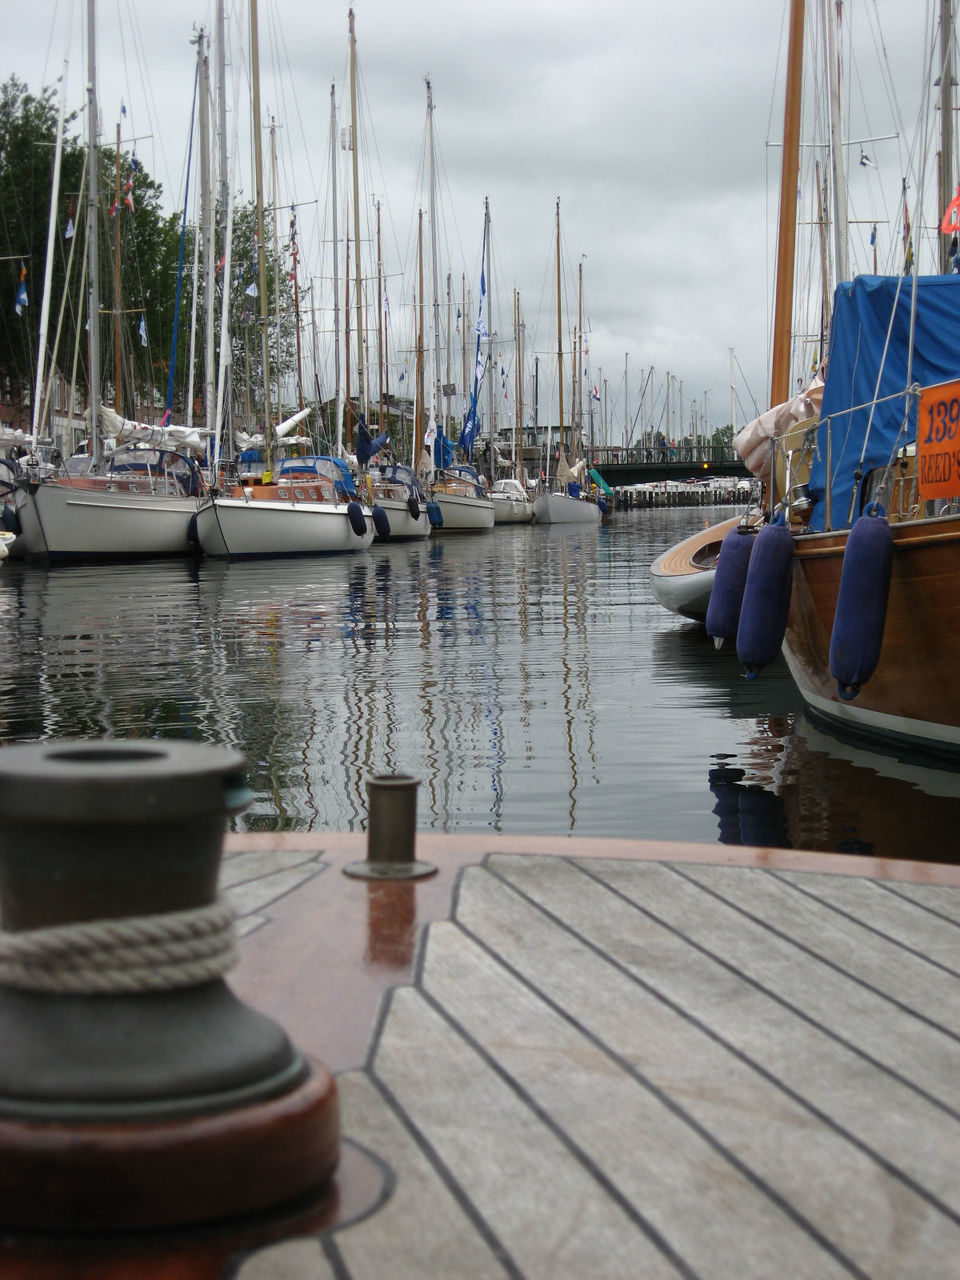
x=109 y=957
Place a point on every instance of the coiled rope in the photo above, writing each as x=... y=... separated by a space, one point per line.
x=111 y=957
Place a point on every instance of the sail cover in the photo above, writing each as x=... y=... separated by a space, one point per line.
x=871 y=315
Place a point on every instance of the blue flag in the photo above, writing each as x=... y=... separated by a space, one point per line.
x=367 y=446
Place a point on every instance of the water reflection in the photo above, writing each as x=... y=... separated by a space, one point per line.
x=528 y=678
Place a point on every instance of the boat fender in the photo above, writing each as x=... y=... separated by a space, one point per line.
x=766 y=598
x=730 y=578
x=602 y=504
x=381 y=521
x=11 y=520
x=413 y=506
x=861 y=611
x=358 y=521
x=193 y=536
x=435 y=515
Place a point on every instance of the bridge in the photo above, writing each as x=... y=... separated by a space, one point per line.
x=622 y=467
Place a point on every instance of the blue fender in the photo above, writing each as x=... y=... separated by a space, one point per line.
x=435 y=515
x=766 y=598
x=358 y=521
x=381 y=522
x=730 y=580
x=861 y=611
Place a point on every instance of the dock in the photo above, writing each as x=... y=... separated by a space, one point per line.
x=571 y=1057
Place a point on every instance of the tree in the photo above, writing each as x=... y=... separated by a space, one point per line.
x=28 y=129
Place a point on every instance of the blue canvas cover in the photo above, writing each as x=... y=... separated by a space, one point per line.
x=857 y=372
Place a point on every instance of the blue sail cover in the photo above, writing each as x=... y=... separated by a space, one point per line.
x=857 y=372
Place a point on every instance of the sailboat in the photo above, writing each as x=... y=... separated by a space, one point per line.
x=568 y=501
x=137 y=503
x=859 y=578
x=392 y=489
x=310 y=506
x=461 y=503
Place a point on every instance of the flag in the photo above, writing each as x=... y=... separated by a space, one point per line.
x=143 y=331
x=481 y=327
x=596 y=395
x=367 y=445
x=21 y=301
x=865 y=161
x=70 y=228
x=128 y=198
x=252 y=289
x=873 y=235
x=123 y=107
x=222 y=262
x=430 y=434
x=113 y=209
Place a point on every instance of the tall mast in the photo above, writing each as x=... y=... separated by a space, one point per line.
x=93 y=232
x=787 y=236
x=261 y=248
x=489 y=278
x=276 y=250
x=361 y=388
x=338 y=383
x=946 y=122
x=380 y=361
x=837 y=154
x=559 y=330
x=435 y=300
x=117 y=366
x=206 y=213
x=224 y=399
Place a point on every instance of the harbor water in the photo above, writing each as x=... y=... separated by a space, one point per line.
x=526 y=676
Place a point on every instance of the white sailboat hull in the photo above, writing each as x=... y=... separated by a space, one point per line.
x=463 y=513
x=241 y=529
x=560 y=508
x=403 y=524
x=62 y=522
x=508 y=510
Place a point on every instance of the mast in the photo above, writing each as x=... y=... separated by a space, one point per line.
x=837 y=156
x=559 y=331
x=206 y=213
x=93 y=232
x=361 y=389
x=787 y=235
x=48 y=266
x=117 y=367
x=490 y=377
x=338 y=382
x=435 y=300
x=261 y=250
x=946 y=122
x=380 y=361
x=418 y=432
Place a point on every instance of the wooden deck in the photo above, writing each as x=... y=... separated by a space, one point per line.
x=585 y=1058
x=640 y=1064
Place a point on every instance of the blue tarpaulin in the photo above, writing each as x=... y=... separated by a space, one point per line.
x=858 y=372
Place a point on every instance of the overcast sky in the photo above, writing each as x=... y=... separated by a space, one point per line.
x=656 y=125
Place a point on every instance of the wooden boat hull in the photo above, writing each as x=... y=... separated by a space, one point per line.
x=560 y=508
x=241 y=529
x=913 y=698
x=682 y=577
x=81 y=521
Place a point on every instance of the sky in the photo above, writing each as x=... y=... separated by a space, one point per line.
x=656 y=126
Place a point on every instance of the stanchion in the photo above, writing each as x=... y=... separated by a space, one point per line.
x=391 y=831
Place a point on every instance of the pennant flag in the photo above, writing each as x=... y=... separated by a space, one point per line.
x=143 y=331
x=123 y=107
x=865 y=161
x=596 y=395
x=21 y=301
x=873 y=235
x=113 y=209
x=70 y=227
x=128 y=201
x=222 y=262
x=252 y=289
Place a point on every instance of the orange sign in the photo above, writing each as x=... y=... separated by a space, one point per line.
x=938 y=442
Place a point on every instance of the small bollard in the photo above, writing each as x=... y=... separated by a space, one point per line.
x=391 y=831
